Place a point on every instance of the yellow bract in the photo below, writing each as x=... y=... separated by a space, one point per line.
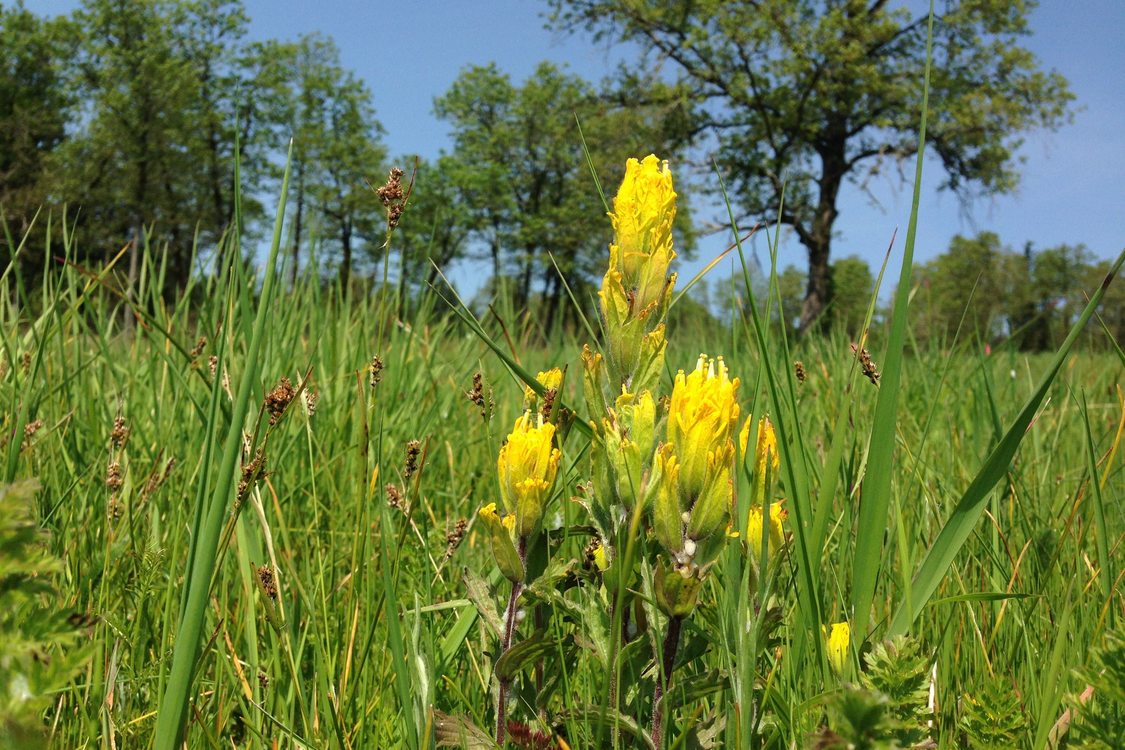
x=527 y=466
x=550 y=379
x=838 y=637
x=642 y=216
x=765 y=444
x=776 y=530
x=701 y=419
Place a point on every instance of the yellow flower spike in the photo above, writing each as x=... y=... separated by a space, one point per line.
x=702 y=417
x=527 y=466
x=776 y=530
x=643 y=212
x=838 y=638
x=711 y=511
x=503 y=546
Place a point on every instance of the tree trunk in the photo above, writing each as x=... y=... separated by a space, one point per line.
x=818 y=240
x=299 y=214
x=346 y=253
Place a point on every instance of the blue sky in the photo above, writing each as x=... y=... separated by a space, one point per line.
x=1073 y=181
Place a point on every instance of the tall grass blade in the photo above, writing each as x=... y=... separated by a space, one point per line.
x=875 y=496
x=172 y=717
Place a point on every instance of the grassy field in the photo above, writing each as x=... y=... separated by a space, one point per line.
x=315 y=459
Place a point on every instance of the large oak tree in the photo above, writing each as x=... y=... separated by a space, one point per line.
x=798 y=97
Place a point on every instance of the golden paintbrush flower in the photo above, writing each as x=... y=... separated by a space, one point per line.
x=838 y=637
x=527 y=466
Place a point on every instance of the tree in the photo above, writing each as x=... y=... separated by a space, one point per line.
x=852 y=287
x=435 y=228
x=964 y=288
x=520 y=171
x=160 y=84
x=801 y=96
x=337 y=150
x=34 y=108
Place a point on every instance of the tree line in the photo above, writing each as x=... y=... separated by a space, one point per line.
x=130 y=119
x=976 y=292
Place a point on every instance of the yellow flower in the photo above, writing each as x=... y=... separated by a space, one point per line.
x=550 y=379
x=643 y=210
x=776 y=530
x=702 y=417
x=765 y=445
x=838 y=637
x=500 y=531
x=598 y=553
x=642 y=216
x=527 y=466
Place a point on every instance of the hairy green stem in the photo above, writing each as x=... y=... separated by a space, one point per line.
x=664 y=679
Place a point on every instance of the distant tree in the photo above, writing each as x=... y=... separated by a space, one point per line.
x=35 y=106
x=1058 y=278
x=852 y=287
x=337 y=152
x=522 y=176
x=801 y=96
x=791 y=283
x=434 y=231
x=963 y=287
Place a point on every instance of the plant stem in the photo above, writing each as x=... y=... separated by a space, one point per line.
x=664 y=679
x=505 y=644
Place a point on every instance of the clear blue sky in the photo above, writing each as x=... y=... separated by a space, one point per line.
x=1073 y=186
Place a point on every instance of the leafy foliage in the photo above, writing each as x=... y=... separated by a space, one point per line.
x=993 y=718
x=827 y=93
x=38 y=639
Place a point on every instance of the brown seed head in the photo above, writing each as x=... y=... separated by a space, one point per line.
x=113 y=479
x=799 y=371
x=454 y=537
x=200 y=345
x=120 y=432
x=394 y=497
x=870 y=369
x=267 y=581
x=278 y=400
x=375 y=371
x=413 y=448
x=393 y=197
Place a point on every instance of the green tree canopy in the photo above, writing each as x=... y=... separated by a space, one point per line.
x=801 y=96
x=522 y=178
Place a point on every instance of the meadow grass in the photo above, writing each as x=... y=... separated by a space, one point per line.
x=345 y=604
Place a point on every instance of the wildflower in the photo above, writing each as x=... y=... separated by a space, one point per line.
x=500 y=533
x=527 y=466
x=550 y=380
x=637 y=287
x=776 y=531
x=838 y=637
x=643 y=211
x=765 y=444
x=701 y=419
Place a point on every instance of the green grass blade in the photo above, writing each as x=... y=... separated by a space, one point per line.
x=172 y=717
x=875 y=497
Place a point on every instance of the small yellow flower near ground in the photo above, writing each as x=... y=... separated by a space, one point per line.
x=702 y=417
x=599 y=557
x=839 y=638
x=776 y=530
x=527 y=466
